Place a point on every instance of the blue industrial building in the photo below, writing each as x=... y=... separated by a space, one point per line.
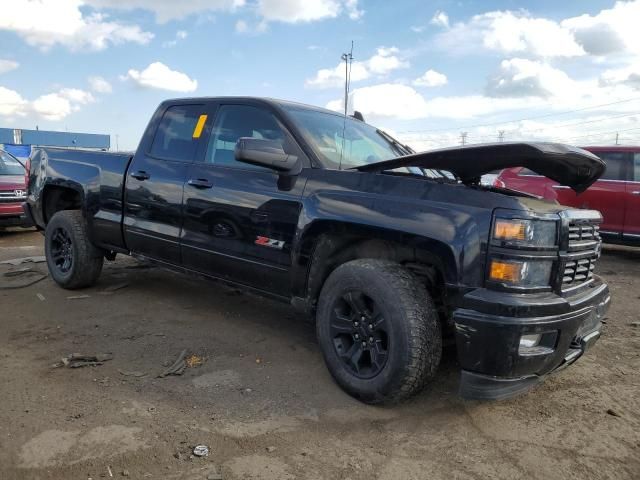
x=19 y=142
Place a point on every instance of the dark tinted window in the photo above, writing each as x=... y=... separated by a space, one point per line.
x=10 y=165
x=235 y=121
x=616 y=165
x=636 y=167
x=174 y=139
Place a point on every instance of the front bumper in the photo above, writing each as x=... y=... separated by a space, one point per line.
x=490 y=324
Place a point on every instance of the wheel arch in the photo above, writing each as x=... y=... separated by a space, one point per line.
x=61 y=197
x=327 y=244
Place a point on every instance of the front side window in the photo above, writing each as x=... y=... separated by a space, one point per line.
x=236 y=121
x=177 y=135
x=616 y=165
x=9 y=165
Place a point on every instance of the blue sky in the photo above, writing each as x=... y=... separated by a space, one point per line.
x=425 y=71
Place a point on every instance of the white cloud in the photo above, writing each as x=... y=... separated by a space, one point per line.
x=441 y=19
x=58 y=105
x=45 y=23
x=99 y=85
x=612 y=30
x=52 y=106
x=629 y=75
x=241 y=26
x=520 y=77
x=384 y=101
x=167 y=10
x=511 y=32
x=7 y=65
x=352 y=9
x=431 y=78
x=382 y=63
x=11 y=103
x=180 y=35
x=299 y=11
x=158 y=75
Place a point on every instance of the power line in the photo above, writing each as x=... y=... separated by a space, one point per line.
x=523 y=119
x=553 y=127
x=598 y=134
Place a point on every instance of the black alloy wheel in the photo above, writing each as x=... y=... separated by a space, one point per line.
x=360 y=335
x=62 y=250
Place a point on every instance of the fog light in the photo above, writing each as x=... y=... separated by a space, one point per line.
x=537 y=343
x=531 y=340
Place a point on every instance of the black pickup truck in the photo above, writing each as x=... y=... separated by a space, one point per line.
x=393 y=253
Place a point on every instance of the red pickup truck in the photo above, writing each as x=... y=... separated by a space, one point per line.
x=13 y=191
x=616 y=194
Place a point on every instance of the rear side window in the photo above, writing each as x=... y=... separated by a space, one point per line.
x=636 y=167
x=616 y=165
x=177 y=134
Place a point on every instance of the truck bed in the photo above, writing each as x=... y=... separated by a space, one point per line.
x=98 y=176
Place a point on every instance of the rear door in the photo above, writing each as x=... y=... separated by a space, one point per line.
x=238 y=224
x=632 y=217
x=155 y=183
x=607 y=195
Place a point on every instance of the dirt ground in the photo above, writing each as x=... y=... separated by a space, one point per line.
x=263 y=401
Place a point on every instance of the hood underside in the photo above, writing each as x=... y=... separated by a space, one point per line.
x=567 y=165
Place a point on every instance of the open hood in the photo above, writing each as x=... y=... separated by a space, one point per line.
x=567 y=165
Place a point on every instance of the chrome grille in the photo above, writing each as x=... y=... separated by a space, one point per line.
x=583 y=250
x=11 y=197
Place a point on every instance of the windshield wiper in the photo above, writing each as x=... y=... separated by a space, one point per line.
x=401 y=147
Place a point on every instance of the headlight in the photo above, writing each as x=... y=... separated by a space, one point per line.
x=529 y=233
x=521 y=273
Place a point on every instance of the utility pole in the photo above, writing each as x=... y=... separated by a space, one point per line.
x=117 y=146
x=617 y=137
x=463 y=138
x=501 y=136
x=347 y=58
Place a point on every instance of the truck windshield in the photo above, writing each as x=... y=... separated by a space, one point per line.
x=344 y=143
x=9 y=165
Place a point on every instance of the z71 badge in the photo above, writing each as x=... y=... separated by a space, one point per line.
x=269 y=242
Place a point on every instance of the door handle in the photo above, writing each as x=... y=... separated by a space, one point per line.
x=635 y=192
x=259 y=216
x=200 y=183
x=140 y=175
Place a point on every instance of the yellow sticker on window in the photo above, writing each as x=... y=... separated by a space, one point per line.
x=199 y=126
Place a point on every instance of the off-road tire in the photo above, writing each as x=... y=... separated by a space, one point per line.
x=415 y=338
x=85 y=259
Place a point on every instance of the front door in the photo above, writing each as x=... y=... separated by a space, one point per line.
x=238 y=224
x=155 y=183
x=632 y=217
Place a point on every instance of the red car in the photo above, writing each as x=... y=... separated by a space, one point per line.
x=616 y=194
x=13 y=191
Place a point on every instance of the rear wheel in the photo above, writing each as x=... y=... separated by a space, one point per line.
x=73 y=261
x=378 y=330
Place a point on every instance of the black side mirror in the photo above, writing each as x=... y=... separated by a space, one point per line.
x=267 y=153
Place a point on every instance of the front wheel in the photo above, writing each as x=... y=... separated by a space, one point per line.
x=378 y=330
x=72 y=259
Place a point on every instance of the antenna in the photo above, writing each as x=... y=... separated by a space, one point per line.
x=348 y=60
